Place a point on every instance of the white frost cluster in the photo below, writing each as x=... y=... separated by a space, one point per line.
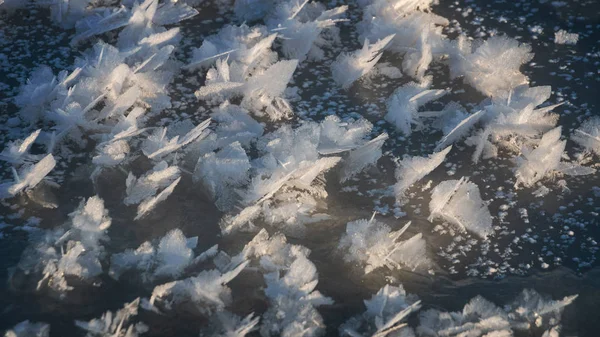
x=17 y=152
x=223 y=165
x=456 y=124
x=262 y=93
x=139 y=20
x=459 y=203
x=478 y=318
x=272 y=252
x=248 y=48
x=74 y=251
x=29 y=329
x=27 y=173
x=167 y=258
x=304 y=27
x=115 y=324
x=94 y=98
x=588 y=135
x=222 y=172
x=234 y=124
x=207 y=291
x=293 y=301
x=362 y=157
x=227 y=324
x=537 y=163
x=564 y=37
x=385 y=315
x=404 y=103
x=532 y=310
x=114 y=149
x=417 y=32
x=348 y=68
x=287 y=182
x=512 y=121
x=28 y=177
x=291 y=279
x=545 y=159
x=159 y=145
x=412 y=169
x=143 y=190
x=243 y=65
x=373 y=245
x=481 y=317
x=493 y=67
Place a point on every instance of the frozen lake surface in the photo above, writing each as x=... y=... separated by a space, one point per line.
x=542 y=237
